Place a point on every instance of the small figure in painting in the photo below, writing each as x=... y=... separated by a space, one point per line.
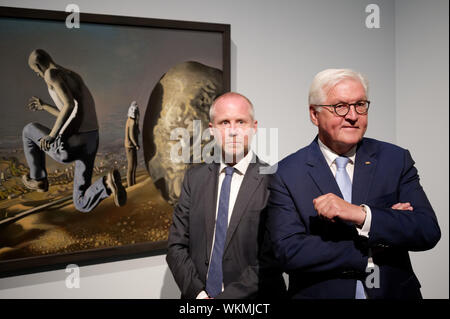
x=132 y=142
x=74 y=136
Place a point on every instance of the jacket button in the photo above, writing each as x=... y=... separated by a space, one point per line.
x=206 y=262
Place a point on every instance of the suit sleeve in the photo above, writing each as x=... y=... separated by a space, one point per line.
x=296 y=248
x=415 y=230
x=244 y=288
x=263 y=279
x=178 y=258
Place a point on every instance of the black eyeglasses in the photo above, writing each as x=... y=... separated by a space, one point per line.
x=341 y=109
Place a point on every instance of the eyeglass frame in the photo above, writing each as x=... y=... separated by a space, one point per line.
x=349 y=106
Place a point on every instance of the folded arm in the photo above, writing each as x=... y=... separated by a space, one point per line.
x=413 y=230
x=296 y=248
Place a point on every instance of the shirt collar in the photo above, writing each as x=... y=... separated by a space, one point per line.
x=331 y=156
x=241 y=166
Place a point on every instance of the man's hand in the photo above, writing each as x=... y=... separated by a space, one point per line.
x=45 y=142
x=331 y=206
x=137 y=147
x=35 y=104
x=403 y=206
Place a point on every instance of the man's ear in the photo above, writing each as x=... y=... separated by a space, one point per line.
x=211 y=129
x=313 y=115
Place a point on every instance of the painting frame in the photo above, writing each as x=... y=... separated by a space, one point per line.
x=143 y=249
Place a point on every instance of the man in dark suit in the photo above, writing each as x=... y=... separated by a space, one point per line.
x=216 y=244
x=344 y=211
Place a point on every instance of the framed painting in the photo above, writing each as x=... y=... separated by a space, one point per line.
x=89 y=106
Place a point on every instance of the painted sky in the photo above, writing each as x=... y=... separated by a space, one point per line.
x=119 y=64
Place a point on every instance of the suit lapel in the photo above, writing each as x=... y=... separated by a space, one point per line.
x=320 y=172
x=365 y=164
x=210 y=196
x=249 y=185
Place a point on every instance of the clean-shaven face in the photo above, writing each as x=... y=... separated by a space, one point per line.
x=233 y=127
x=341 y=133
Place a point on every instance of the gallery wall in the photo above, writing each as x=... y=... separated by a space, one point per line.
x=421 y=40
x=277 y=47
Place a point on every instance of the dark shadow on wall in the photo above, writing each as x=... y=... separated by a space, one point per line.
x=233 y=62
x=169 y=289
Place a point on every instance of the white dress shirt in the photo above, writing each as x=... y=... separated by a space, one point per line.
x=330 y=157
x=236 y=181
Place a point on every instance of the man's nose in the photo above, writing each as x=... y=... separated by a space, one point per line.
x=352 y=115
x=233 y=130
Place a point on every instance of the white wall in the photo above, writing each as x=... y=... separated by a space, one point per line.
x=421 y=32
x=135 y=278
x=277 y=47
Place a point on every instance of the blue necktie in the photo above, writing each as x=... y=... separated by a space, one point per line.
x=215 y=274
x=345 y=185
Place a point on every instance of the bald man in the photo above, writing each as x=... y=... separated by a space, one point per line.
x=217 y=247
x=73 y=138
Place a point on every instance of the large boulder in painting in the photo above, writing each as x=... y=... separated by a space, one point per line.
x=182 y=95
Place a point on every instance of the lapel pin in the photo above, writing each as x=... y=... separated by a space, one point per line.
x=367 y=163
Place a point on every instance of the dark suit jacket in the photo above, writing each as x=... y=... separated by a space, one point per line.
x=191 y=236
x=324 y=259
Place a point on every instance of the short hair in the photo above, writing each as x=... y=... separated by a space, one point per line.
x=230 y=94
x=325 y=80
x=40 y=57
